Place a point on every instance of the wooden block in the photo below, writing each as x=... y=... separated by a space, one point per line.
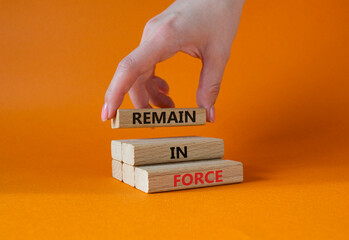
x=116 y=148
x=128 y=173
x=174 y=149
x=185 y=175
x=117 y=170
x=159 y=117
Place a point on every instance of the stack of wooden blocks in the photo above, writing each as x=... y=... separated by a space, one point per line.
x=166 y=164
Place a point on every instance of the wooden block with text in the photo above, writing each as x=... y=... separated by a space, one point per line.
x=185 y=175
x=173 y=149
x=159 y=117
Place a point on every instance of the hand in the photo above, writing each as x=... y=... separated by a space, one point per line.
x=204 y=29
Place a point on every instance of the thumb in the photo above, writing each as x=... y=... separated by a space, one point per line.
x=209 y=85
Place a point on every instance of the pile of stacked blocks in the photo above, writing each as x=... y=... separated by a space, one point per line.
x=167 y=164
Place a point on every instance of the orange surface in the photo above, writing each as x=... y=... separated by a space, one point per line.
x=282 y=111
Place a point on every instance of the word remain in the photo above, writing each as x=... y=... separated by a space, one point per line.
x=164 y=117
x=197 y=178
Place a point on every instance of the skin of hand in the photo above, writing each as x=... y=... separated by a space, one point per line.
x=204 y=29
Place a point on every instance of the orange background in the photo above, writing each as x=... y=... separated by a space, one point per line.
x=282 y=111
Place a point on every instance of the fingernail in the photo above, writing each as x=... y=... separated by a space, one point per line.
x=104 y=115
x=212 y=114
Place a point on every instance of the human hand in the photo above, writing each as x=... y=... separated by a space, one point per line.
x=204 y=29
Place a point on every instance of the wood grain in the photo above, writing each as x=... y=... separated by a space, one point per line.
x=174 y=149
x=128 y=173
x=117 y=169
x=116 y=147
x=158 y=117
x=116 y=150
x=176 y=176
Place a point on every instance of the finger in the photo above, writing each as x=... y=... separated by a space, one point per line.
x=139 y=94
x=210 y=82
x=157 y=98
x=162 y=85
x=137 y=63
